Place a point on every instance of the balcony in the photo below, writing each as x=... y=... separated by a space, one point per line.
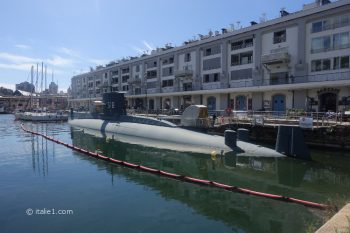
x=135 y=81
x=275 y=58
x=183 y=73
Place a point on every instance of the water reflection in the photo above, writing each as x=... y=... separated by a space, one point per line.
x=286 y=176
x=275 y=175
x=40 y=150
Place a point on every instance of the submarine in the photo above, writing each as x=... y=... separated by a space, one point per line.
x=115 y=123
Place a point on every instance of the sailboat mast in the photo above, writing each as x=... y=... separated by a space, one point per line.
x=37 y=77
x=31 y=90
x=42 y=76
x=45 y=77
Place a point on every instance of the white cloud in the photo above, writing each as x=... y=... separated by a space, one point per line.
x=150 y=47
x=59 y=61
x=8 y=85
x=23 y=66
x=138 y=50
x=18 y=58
x=22 y=46
x=69 y=52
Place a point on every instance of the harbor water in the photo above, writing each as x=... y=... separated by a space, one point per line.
x=46 y=187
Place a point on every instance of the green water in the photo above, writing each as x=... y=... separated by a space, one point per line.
x=95 y=196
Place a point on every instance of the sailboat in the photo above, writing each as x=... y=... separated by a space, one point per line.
x=39 y=115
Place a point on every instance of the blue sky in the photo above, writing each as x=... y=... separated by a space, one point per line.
x=69 y=36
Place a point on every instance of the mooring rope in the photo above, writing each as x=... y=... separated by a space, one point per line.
x=181 y=177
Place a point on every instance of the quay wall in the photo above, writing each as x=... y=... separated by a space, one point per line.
x=322 y=137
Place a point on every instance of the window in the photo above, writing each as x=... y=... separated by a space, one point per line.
x=115 y=72
x=151 y=74
x=241 y=74
x=320 y=65
x=213 y=63
x=341 y=21
x=326 y=64
x=138 y=68
x=279 y=37
x=207 y=52
x=114 y=89
x=341 y=62
x=341 y=40
x=246 y=58
x=171 y=60
x=206 y=78
x=98 y=83
x=242 y=44
x=187 y=57
x=126 y=88
x=320 y=44
x=235 y=60
x=125 y=70
x=125 y=78
x=168 y=83
x=216 y=77
x=137 y=91
x=114 y=80
x=236 y=45
x=321 y=26
x=106 y=75
x=242 y=59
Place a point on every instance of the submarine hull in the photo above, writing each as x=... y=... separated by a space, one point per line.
x=172 y=138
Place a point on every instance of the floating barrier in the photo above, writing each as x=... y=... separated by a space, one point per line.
x=184 y=178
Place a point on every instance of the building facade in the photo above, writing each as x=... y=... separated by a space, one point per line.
x=297 y=61
x=25 y=86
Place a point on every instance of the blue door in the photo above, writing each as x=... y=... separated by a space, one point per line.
x=211 y=102
x=279 y=103
x=241 y=104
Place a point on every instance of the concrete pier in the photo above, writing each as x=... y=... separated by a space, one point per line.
x=339 y=223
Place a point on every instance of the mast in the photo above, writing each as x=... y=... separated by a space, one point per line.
x=37 y=76
x=31 y=90
x=45 y=78
x=42 y=76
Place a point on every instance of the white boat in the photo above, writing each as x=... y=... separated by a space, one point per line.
x=41 y=116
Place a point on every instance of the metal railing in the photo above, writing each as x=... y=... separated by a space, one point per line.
x=278 y=117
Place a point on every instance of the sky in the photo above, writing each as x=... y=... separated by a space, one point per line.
x=70 y=36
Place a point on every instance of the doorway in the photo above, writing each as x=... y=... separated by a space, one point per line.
x=279 y=103
x=328 y=102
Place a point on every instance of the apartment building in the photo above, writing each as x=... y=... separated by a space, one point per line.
x=297 y=61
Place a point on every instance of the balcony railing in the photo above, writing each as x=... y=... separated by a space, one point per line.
x=338 y=76
x=134 y=81
x=183 y=73
x=242 y=46
x=335 y=47
x=330 y=26
x=275 y=58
